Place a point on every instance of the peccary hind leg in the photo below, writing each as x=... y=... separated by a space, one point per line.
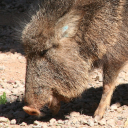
x=110 y=72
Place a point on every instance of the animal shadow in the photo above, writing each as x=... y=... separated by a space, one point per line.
x=86 y=104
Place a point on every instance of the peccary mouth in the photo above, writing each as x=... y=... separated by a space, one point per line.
x=32 y=111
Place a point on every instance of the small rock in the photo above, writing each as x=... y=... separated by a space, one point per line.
x=44 y=125
x=118 y=123
x=15 y=91
x=13 y=122
x=22 y=90
x=60 y=122
x=18 y=83
x=115 y=106
x=58 y=127
x=74 y=114
x=15 y=85
x=75 y=121
x=111 y=122
x=8 y=92
x=52 y=121
x=90 y=122
x=3 y=119
x=120 y=118
x=23 y=124
x=83 y=121
x=10 y=82
x=66 y=121
x=4 y=85
x=102 y=122
x=36 y=122
x=2 y=67
x=1 y=91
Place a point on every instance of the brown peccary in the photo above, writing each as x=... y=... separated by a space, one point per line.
x=63 y=41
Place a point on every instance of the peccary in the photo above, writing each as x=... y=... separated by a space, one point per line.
x=63 y=41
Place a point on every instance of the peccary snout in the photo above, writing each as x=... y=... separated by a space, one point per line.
x=31 y=111
x=53 y=104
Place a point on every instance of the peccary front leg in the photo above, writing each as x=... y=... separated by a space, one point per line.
x=110 y=72
x=105 y=101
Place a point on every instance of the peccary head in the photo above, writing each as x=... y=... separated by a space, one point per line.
x=55 y=70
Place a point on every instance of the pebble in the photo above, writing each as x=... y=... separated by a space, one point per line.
x=83 y=121
x=2 y=67
x=8 y=92
x=15 y=85
x=120 y=118
x=52 y=121
x=15 y=91
x=36 y=122
x=10 y=82
x=111 y=122
x=18 y=83
x=60 y=122
x=90 y=122
x=3 y=119
x=23 y=124
x=13 y=121
x=2 y=90
x=118 y=123
x=44 y=125
x=74 y=114
x=115 y=106
x=102 y=122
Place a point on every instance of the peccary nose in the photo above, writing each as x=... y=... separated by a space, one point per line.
x=31 y=111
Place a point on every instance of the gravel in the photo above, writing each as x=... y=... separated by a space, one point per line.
x=76 y=114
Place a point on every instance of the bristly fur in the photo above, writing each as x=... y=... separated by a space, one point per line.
x=64 y=39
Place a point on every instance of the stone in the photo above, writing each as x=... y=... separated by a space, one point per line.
x=23 y=124
x=36 y=122
x=44 y=125
x=2 y=67
x=60 y=122
x=90 y=122
x=52 y=121
x=83 y=121
x=102 y=122
x=111 y=122
x=115 y=106
x=3 y=119
x=13 y=121
x=74 y=114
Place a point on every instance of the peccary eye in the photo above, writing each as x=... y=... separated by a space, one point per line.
x=43 y=52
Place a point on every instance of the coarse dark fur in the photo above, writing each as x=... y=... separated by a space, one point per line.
x=64 y=40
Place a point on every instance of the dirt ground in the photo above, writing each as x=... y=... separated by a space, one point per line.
x=76 y=114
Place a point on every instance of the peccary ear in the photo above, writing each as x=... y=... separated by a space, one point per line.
x=68 y=25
